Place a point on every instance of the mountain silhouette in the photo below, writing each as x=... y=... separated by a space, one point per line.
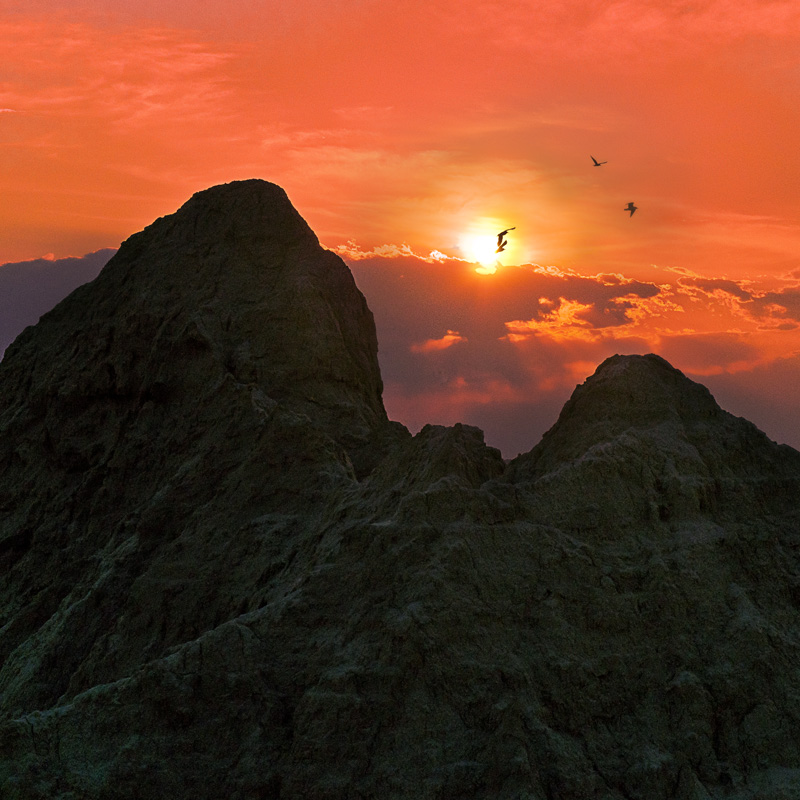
x=226 y=573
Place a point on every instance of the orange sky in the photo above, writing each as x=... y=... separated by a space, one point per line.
x=408 y=127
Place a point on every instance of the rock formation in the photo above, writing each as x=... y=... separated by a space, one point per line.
x=225 y=572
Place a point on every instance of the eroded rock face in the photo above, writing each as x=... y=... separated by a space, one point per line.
x=226 y=574
x=234 y=286
x=223 y=365
x=639 y=442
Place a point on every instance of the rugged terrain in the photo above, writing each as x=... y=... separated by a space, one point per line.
x=225 y=573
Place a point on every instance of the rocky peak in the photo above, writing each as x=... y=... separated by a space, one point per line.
x=252 y=213
x=222 y=361
x=231 y=290
x=640 y=390
x=641 y=443
x=625 y=394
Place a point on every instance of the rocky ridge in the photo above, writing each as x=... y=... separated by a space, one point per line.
x=225 y=572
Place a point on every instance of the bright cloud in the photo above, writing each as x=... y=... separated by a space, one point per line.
x=126 y=77
x=526 y=335
x=353 y=252
x=434 y=345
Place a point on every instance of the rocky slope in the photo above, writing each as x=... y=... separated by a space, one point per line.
x=225 y=573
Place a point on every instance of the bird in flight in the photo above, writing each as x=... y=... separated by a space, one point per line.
x=598 y=163
x=630 y=207
x=501 y=241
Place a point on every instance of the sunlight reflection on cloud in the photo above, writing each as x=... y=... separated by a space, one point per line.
x=526 y=336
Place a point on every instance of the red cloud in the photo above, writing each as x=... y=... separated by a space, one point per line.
x=433 y=345
x=526 y=335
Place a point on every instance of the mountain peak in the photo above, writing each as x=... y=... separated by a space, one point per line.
x=234 y=286
x=640 y=443
x=625 y=393
x=255 y=211
x=640 y=390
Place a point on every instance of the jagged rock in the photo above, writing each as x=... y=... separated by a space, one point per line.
x=640 y=442
x=226 y=574
x=223 y=365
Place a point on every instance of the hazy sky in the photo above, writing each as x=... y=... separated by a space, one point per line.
x=408 y=128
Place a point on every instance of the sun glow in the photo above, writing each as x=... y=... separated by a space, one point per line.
x=480 y=241
x=480 y=248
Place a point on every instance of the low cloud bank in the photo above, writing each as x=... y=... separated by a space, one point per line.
x=29 y=289
x=504 y=351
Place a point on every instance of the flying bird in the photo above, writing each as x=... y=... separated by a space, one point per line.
x=501 y=242
x=630 y=207
x=598 y=163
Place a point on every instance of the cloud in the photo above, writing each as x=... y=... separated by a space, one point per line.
x=777 y=308
x=774 y=309
x=717 y=286
x=352 y=251
x=29 y=289
x=493 y=350
x=576 y=306
x=125 y=78
x=434 y=345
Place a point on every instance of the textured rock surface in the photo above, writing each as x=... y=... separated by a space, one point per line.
x=226 y=574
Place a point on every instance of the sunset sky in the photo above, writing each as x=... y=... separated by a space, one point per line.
x=408 y=134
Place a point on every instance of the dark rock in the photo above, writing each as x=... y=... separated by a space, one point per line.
x=221 y=366
x=640 y=442
x=226 y=574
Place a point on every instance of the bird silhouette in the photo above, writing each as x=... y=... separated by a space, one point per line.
x=501 y=242
x=630 y=207
x=598 y=163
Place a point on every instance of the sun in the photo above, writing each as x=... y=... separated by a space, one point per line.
x=480 y=248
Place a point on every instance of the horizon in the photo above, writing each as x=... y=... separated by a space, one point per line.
x=475 y=378
x=408 y=136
